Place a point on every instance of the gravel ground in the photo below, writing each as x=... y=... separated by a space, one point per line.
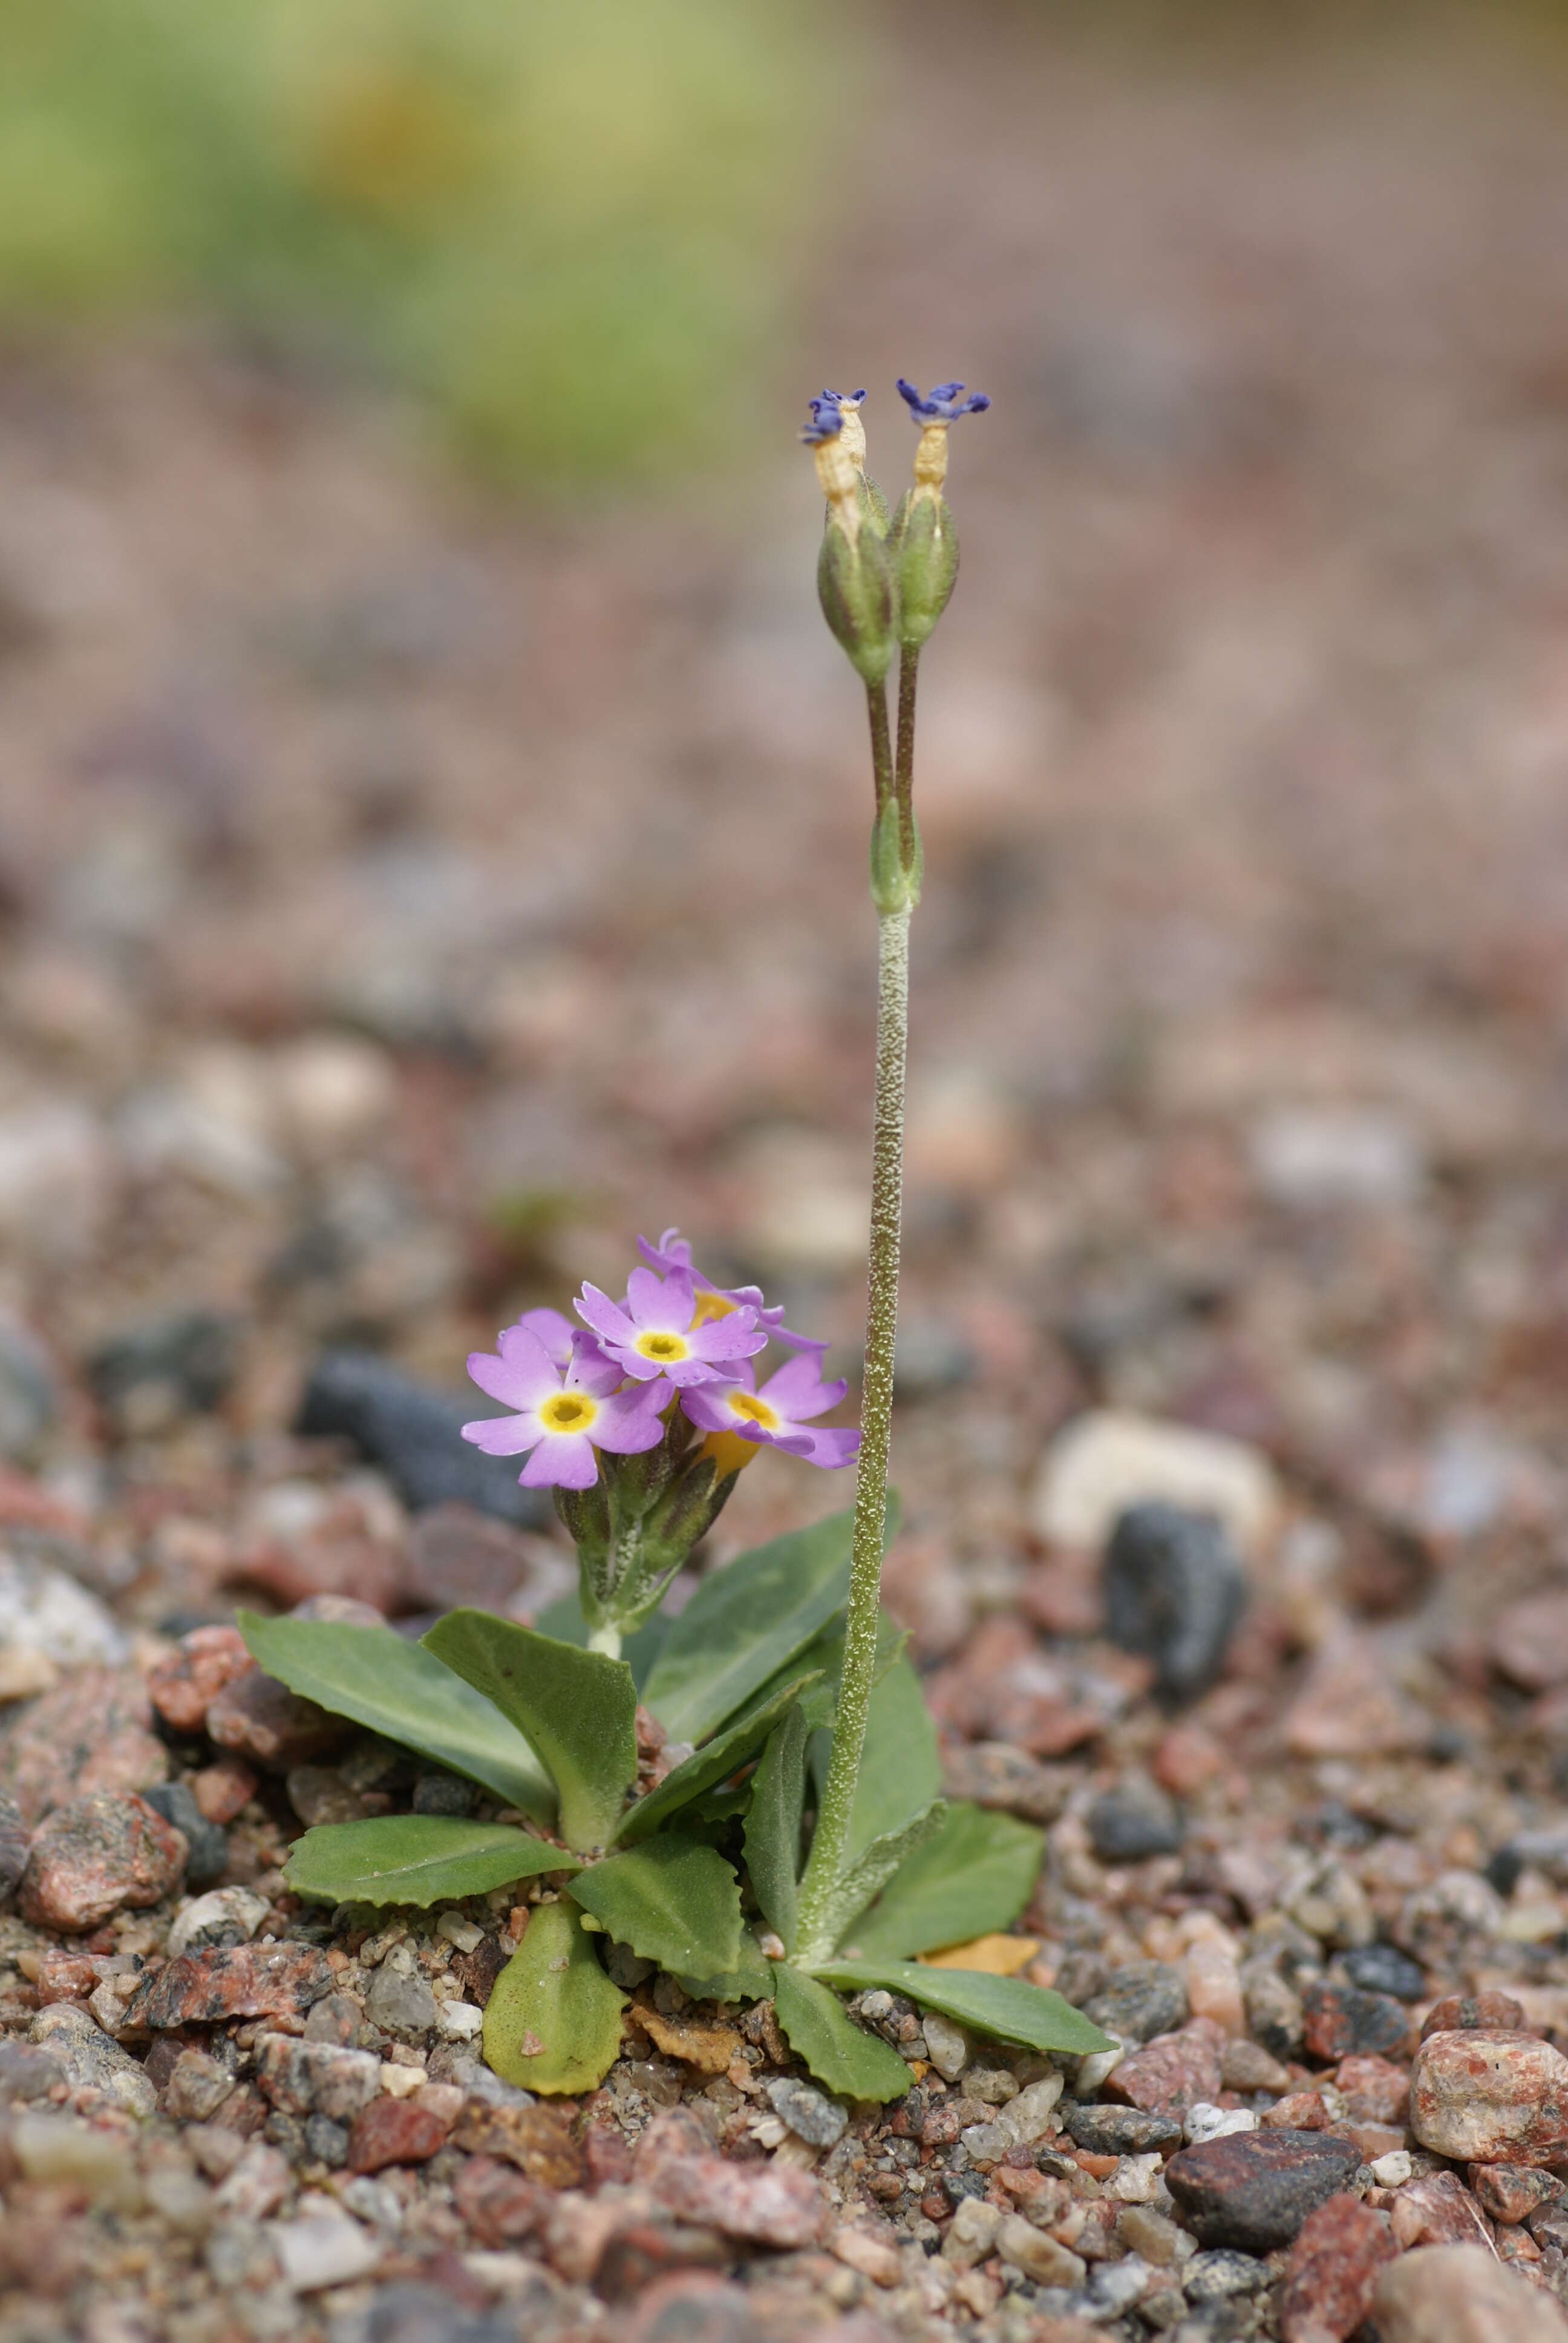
x=402 y=905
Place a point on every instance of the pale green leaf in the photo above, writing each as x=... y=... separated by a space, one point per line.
x=1005 y=2006
x=416 y=1859
x=564 y=1620
x=553 y=2019
x=752 y=1978
x=773 y=1824
x=748 y=1621
x=870 y=1871
x=672 y=1901
x=578 y=1708
x=975 y=1875
x=841 y=2054
x=400 y=1689
x=714 y=1762
x=826 y=1652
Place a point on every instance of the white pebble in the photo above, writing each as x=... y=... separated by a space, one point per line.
x=947 y=2046
x=458 y=2021
x=1392 y=2170
x=459 y=1932
x=1095 y=2071
x=1205 y=2121
x=317 y=2253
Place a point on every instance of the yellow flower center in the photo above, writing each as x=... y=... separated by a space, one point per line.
x=730 y=1453
x=568 y=1412
x=710 y=1306
x=752 y=1410
x=663 y=1347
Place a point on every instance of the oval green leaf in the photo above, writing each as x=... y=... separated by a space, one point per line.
x=672 y=1901
x=1006 y=2006
x=974 y=1874
x=553 y=2019
x=578 y=1708
x=714 y=1762
x=819 y=2028
x=403 y=1691
x=416 y=1859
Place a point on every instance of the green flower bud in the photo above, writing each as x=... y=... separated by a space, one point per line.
x=924 y=547
x=858 y=599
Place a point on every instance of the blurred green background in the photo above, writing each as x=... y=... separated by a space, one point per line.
x=562 y=222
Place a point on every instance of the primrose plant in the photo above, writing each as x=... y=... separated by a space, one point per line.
x=746 y=1796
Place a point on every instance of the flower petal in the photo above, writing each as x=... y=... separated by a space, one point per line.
x=522 y=1377
x=551 y=1329
x=798 y=1389
x=707 y=1405
x=608 y=1319
x=628 y=1424
x=564 y=1460
x=504 y=1435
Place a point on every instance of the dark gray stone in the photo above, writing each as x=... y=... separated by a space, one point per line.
x=809 y=2112
x=1134 y=1821
x=1175 y=1589
x=402 y=2005
x=208 y=1842
x=326 y=2142
x=442 y=1794
x=1383 y=1968
x=29 y=1390
x=1142 y=2000
x=415 y=1434
x=1221 y=2275
x=28 y=2071
x=1117 y=2131
x=152 y=1375
x=426 y=2314
x=1254 y=2189
x=15 y=1838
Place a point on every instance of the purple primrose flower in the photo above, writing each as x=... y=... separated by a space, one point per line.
x=565 y=1413
x=659 y=1330
x=779 y=1415
x=715 y=1301
x=945 y=404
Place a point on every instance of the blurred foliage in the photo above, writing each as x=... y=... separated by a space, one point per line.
x=564 y=221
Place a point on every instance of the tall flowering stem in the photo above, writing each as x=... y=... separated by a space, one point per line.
x=883 y=586
x=829 y=1845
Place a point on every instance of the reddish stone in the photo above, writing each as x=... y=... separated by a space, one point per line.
x=771 y=2203
x=260 y=1718
x=458 y=1554
x=1005 y=1688
x=338 y=1558
x=1487 y=2096
x=537 y=2139
x=1254 y=2189
x=1297 y=2111
x=695 y=2307
x=1332 y=2274
x=500 y=2206
x=1186 y=1759
x=67 y=1976
x=279 y=1982
x=97 y=1856
x=244 y=2111
x=479 y=1970
x=1374 y=2091
x=1530 y=1642
x=673 y=2134
x=1339 y=2020
x=1452 y=2294
x=183 y=1688
x=1173 y=2072
x=1376 y=2139
x=607 y=2152
x=94 y=1732
x=1519 y=2248
x=1459 y=2013
x=221 y=1790
x=395 y=2131
x=1512 y=2192
x=1438 y=2209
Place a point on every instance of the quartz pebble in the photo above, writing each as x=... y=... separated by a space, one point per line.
x=972 y=2233
x=1036 y=2253
x=1483 y=2096
x=401 y=2003
x=1254 y=2189
x=1451 y=2293
x=97 y=1856
x=59 y=2151
x=227 y=1915
x=1109 y=1459
x=947 y=2046
x=322 y=2252
x=1204 y=2121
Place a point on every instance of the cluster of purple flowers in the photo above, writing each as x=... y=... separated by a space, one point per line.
x=674 y=1339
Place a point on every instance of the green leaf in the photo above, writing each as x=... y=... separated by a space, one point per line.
x=819 y=2028
x=773 y=1824
x=399 y=1688
x=672 y=1901
x=975 y=1875
x=415 y=1859
x=752 y=1978
x=900 y=1766
x=564 y=1620
x=869 y=1873
x=553 y=2020
x=714 y=1762
x=1005 y=2006
x=746 y=1621
x=578 y=1708
x=826 y=1652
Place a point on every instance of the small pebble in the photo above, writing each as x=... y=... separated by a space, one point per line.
x=809 y=2112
